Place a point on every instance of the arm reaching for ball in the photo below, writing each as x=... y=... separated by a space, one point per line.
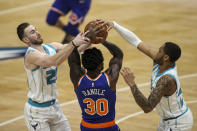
x=130 y=37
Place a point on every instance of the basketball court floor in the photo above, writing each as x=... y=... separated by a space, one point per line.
x=154 y=21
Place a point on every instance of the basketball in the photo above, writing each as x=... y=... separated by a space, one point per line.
x=103 y=34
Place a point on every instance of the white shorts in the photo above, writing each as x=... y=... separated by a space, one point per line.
x=182 y=123
x=45 y=118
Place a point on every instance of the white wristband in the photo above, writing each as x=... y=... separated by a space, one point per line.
x=127 y=34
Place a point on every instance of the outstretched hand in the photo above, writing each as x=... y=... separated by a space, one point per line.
x=81 y=39
x=109 y=24
x=93 y=32
x=128 y=76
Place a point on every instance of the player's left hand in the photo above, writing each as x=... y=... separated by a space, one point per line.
x=81 y=39
x=128 y=76
x=92 y=33
x=109 y=24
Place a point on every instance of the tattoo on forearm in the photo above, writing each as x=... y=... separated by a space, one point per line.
x=149 y=104
x=140 y=99
x=162 y=87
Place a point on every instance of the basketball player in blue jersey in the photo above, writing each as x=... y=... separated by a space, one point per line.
x=42 y=110
x=166 y=95
x=96 y=90
x=60 y=8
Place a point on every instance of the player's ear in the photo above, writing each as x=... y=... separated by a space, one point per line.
x=166 y=58
x=25 y=39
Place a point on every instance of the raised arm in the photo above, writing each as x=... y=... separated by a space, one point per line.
x=133 y=39
x=166 y=86
x=75 y=67
x=115 y=63
x=38 y=59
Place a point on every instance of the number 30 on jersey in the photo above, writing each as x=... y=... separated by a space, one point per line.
x=100 y=106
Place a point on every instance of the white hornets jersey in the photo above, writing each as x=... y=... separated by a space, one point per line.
x=169 y=106
x=42 y=80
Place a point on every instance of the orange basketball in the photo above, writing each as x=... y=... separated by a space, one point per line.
x=102 y=34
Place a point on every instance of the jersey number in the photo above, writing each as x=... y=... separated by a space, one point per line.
x=51 y=78
x=100 y=106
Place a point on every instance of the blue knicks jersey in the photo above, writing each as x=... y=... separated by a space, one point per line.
x=96 y=99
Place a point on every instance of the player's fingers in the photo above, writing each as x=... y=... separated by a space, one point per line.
x=86 y=32
x=99 y=21
x=105 y=23
x=98 y=31
x=109 y=28
x=87 y=40
x=122 y=73
x=123 y=70
x=99 y=38
x=80 y=34
x=98 y=28
x=128 y=70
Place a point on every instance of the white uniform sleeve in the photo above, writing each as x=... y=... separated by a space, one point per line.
x=127 y=34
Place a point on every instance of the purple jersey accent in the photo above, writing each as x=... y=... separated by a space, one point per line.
x=96 y=90
x=78 y=7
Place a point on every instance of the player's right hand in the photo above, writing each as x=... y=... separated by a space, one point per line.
x=128 y=76
x=81 y=39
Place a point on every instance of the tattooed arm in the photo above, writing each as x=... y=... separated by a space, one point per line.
x=166 y=86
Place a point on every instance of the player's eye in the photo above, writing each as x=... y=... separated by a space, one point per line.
x=33 y=31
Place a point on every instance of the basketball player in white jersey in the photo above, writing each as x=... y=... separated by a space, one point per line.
x=166 y=95
x=42 y=110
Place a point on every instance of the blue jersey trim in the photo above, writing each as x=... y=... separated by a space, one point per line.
x=177 y=116
x=154 y=67
x=30 y=49
x=47 y=50
x=172 y=76
x=51 y=46
x=165 y=71
x=44 y=104
x=35 y=68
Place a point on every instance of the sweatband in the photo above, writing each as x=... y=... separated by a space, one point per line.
x=127 y=34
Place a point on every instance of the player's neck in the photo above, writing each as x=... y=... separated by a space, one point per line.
x=38 y=47
x=165 y=67
x=93 y=74
x=35 y=46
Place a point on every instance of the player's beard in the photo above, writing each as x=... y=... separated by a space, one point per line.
x=37 y=41
x=159 y=60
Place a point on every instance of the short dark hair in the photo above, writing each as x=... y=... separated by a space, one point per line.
x=173 y=51
x=20 y=30
x=92 y=58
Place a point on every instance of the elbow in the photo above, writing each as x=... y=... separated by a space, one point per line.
x=51 y=63
x=58 y=63
x=147 y=110
x=121 y=55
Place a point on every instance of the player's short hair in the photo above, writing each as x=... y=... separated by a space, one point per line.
x=92 y=58
x=173 y=51
x=20 y=30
